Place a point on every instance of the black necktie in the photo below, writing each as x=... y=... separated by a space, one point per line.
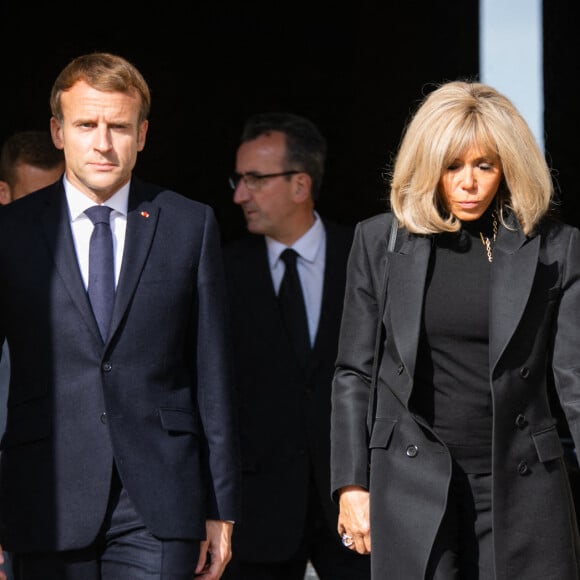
x=292 y=307
x=101 y=287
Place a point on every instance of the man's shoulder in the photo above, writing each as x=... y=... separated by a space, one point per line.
x=244 y=245
x=338 y=231
x=165 y=198
x=26 y=208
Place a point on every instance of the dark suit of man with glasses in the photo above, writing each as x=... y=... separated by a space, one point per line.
x=288 y=517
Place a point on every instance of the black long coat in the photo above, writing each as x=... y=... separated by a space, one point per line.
x=534 y=325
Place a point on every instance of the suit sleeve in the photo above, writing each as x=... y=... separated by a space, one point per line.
x=215 y=380
x=566 y=356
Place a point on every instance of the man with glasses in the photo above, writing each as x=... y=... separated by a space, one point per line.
x=288 y=517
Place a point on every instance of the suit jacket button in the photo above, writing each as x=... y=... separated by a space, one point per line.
x=107 y=366
x=523 y=467
x=412 y=451
x=524 y=372
x=103 y=417
x=400 y=368
x=521 y=421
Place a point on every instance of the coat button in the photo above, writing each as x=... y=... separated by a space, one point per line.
x=523 y=467
x=103 y=417
x=412 y=451
x=521 y=421
x=106 y=366
x=524 y=372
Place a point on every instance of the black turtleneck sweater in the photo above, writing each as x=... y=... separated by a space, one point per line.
x=452 y=380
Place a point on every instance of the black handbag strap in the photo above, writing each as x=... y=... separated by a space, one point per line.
x=379 y=331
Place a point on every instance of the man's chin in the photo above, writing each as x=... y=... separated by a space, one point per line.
x=254 y=227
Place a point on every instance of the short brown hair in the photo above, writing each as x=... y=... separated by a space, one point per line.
x=104 y=72
x=31 y=147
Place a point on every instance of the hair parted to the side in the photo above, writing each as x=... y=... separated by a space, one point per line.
x=451 y=118
x=306 y=147
x=104 y=72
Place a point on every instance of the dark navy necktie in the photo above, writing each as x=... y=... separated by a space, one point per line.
x=292 y=308
x=101 y=286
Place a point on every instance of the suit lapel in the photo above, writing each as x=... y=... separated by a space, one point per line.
x=142 y=217
x=56 y=224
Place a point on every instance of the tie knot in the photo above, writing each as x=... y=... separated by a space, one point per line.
x=98 y=214
x=289 y=256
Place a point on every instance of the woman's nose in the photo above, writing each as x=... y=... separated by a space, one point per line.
x=468 y=177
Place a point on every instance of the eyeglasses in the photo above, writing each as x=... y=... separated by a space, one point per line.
x=253 y=181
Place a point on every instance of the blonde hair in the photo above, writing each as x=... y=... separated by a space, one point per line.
x=451 y=118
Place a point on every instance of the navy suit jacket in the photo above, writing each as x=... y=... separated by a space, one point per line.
x=155 y=399
x=284 y=411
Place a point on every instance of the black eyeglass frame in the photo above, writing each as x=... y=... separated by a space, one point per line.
x=235 y=178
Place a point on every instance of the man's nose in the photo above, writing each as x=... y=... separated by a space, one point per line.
x=241 y=193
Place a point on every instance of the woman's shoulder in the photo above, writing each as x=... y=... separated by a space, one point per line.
x=555 y=227
x=377 y=225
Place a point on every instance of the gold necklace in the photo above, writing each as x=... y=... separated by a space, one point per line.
x=487 y=243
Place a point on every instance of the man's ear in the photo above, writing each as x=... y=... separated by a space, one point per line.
x=56 y=133
x=5 y=197
x=303 y=188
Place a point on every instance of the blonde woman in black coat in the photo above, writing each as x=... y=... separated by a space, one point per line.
x=462 y=476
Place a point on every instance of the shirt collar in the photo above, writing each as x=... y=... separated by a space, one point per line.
x=307 y=246
x=78 y=201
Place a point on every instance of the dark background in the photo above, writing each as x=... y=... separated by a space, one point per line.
x=357 y=71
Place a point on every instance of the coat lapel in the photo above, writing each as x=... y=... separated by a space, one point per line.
x=515 y=260
x=408 y=267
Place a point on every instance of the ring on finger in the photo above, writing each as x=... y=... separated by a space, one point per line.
x=347 y=540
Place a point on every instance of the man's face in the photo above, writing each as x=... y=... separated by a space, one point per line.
x=101 y=135
x=268 y=204
x=28 y=178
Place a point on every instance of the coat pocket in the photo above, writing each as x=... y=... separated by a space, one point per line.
x=548 y=444
x=176 y=420
x=382 y=433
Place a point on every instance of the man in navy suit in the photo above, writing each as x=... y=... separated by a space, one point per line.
x=120 y=457
x=288 y=517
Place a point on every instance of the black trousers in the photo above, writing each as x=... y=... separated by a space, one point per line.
x=463 y=549
x=123 y=550
x=320 y=545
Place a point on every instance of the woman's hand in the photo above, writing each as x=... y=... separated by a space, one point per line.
x=353 y=519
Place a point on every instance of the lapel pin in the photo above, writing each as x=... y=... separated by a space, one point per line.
x=144 y=214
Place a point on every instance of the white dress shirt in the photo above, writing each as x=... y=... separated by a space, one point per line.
x=311 y=250
x=82 y=227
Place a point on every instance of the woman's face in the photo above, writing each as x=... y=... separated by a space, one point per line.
x=469 y=184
